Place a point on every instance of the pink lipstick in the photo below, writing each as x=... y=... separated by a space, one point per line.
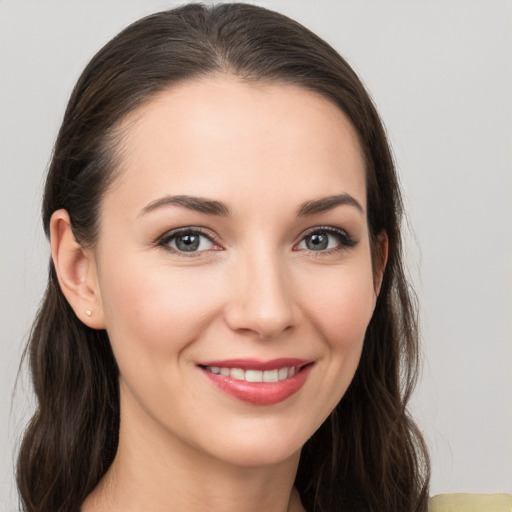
x=258 y=382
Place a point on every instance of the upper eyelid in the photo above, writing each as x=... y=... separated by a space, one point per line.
x=346 y=240
x=164 y=241
x=187 y=229
x=328 y=229
x=332 y=229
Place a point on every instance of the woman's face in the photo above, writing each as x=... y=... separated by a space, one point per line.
x=234 y=249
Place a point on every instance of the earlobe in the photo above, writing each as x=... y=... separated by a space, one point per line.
x=381 y=260
x=76 y=272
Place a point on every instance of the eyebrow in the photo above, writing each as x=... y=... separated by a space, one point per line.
x=198 y=204
x=212 y=207
x=328 y=203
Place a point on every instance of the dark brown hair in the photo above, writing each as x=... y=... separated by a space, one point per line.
x=369 y=455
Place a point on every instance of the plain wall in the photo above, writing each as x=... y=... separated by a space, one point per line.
x=441 y=75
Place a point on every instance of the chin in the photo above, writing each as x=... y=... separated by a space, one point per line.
x=260 y=455
x=259 y=445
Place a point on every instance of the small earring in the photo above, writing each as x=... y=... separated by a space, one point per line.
x=88 y=312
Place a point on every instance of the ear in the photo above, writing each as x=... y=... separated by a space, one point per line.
x=381 y=260
x=76 y=272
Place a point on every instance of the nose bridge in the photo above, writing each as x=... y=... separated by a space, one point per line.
x=262 y=301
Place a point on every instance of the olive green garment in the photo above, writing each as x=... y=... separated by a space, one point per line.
x=471 y=503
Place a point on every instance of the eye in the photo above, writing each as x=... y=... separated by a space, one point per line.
x=326 y=239
x=187 y=241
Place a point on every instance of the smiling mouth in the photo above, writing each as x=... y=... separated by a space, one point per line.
x=255 y=375
x=257 y=382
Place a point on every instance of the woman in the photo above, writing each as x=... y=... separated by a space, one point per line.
x=227 y=323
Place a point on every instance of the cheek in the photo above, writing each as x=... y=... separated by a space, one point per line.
x=155 y=309
x=343 y=306
x=338 y=313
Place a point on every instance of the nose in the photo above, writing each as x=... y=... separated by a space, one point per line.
x=262 y=301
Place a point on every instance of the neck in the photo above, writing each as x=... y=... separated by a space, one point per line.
x=158 y=472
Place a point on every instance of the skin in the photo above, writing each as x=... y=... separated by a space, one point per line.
x=254 y=290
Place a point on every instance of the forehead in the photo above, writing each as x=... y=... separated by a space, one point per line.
x=221 y=136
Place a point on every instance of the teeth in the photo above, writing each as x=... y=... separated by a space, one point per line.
x=270 y=375
x=237 y=373
x=283 y=373
x=254 y=375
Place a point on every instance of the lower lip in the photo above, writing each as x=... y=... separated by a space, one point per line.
x=260 y=393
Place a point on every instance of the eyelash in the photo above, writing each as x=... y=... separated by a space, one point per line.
x=166 y=239
x=345 y=240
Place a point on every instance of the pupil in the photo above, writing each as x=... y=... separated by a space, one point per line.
x=317 y=242
x=187 y=243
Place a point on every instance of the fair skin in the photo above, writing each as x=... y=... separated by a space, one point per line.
x=267 y=275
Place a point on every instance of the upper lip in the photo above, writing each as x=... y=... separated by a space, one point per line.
x=255 y=364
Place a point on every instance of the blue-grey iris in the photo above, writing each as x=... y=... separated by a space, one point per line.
x=317 y=241
x=188 y=243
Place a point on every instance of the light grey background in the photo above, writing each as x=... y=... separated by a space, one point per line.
x=441 y=75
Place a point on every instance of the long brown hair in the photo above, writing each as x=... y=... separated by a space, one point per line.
x=368 y=455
